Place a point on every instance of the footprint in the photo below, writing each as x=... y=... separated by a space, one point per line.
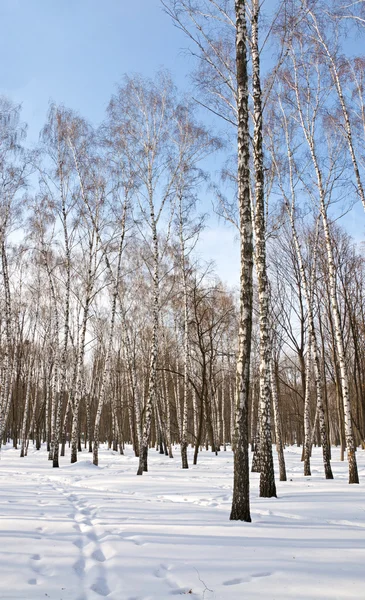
x=347 y=523
x=32 y=581
x=136 y=539
x=35 y=557
x=79 y=518
x=98 y=555
x=236 y=581
x=161 y=571
x=239 y=580
x=100 y=587
x=79 y=566
x=108 y=550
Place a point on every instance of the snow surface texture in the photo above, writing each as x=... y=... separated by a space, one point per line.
x=87 y=533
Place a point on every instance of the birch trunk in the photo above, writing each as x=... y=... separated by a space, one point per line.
x=63 y=361
x=267 y=476
x=47 y=406
x=26 y=412
x=54 y=350
x=168 y=415
x=307 y=428
x=277 y=420
x=223 y=413
x=308 y=294
x=8 y=361
x=152 y=384
x=350 y=443
x=88 y=422
x=28 y=391
x=347 y=123
x=183 y=441
x=80 y=357
x=107 y=361
x=177 y=400
x=130 y=354
x=241 y=482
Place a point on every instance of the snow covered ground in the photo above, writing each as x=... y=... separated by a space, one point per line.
x=84 y=533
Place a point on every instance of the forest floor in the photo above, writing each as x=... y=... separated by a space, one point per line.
x=85 y=533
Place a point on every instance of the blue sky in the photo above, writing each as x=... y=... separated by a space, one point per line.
x=75 y=51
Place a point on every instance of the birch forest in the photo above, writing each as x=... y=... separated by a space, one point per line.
x=113 y=328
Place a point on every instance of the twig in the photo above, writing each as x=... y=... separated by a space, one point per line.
x=206 y=589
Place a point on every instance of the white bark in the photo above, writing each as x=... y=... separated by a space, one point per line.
x=338 y=85
x=267 y=477
x=350 y=443
x=107 y=360
x=81 y=353
x=308 y=295
x=240 y=500
x=277 y=420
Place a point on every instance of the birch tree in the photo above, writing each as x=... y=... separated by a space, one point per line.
x=13 y=177
x=55 y=177
x=308 y=123
x=193 y=144
x=142 y=114
x=267 y=477
x=241 y=500
x=290 y=201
